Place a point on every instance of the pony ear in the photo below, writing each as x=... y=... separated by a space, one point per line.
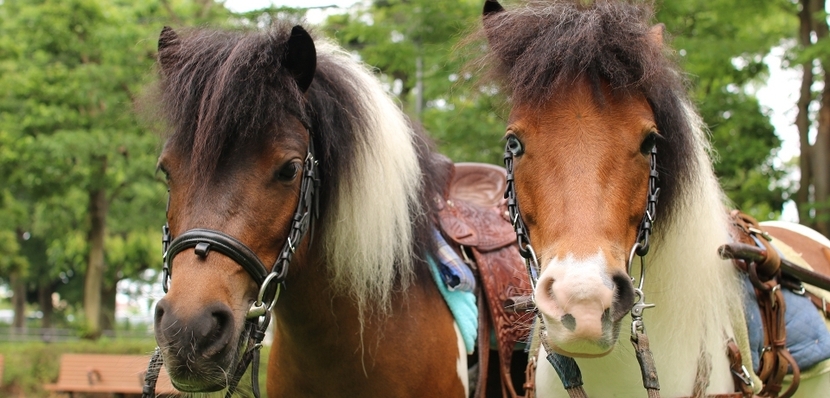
x=168 y=41
x=301 y=57
x=491 y=7
x=655 y=35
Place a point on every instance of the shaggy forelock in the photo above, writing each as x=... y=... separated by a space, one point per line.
x=222 y=91
x=538 y=49
x=541 y=46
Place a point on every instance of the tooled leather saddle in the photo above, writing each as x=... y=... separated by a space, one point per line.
x=473 y=217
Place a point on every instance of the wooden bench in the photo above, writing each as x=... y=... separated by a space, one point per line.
x=121 y=375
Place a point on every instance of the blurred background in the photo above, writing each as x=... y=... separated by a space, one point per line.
x=81 y=204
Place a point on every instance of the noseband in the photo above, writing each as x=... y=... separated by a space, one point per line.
x=566 y=367
x=269 y=281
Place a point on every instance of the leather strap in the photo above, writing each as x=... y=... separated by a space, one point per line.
x=734 y=359
x=483 y=345
x=755 y=256
x=496 y=270
x=751 y=233
x=820 y=302
x=741 y=378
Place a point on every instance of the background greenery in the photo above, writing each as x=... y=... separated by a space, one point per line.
x=81 y=205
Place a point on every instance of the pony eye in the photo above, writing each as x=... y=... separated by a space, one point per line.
x=648 y=143
x=514 y=146
x=164 y=172
x=289 y=171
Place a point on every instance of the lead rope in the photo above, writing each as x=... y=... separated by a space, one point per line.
x=256 y=333
x=152 y=375
x=566 y=367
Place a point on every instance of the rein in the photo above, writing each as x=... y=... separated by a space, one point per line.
x=269 y=281
x=566 y=367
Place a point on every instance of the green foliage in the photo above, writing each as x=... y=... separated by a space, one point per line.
x=721 y=44
x=392 y=35
x=72 y=71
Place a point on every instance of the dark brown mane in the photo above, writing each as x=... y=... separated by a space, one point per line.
x=538 y=48
x=222 y=90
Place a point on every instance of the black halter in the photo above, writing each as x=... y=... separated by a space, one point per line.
x=269 y=281
x=566 y=367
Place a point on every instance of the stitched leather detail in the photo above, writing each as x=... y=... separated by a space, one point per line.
x=473 y=218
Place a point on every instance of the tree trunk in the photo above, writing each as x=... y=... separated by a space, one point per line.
x=18 y=300
x=44 y=298
x=802 y=119
x=821 y=149
x=108 y=307
x=93 y=280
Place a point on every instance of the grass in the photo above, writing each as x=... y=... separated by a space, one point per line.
x=30 y=365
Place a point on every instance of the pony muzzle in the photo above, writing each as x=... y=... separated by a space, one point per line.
x=581 y=305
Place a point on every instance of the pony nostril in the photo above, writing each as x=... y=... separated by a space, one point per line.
x=158 y=318
x=212 y=330
x=568 y=321
x=623 y=296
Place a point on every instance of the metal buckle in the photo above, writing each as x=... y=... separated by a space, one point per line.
x=258 y=308
x=743 y=375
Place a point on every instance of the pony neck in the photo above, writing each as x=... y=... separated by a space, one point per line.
x=325 y=345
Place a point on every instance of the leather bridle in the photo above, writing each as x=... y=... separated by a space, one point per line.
x=566 y=367
x=269 y=281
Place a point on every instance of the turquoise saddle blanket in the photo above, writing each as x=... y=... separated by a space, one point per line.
x=456 y=283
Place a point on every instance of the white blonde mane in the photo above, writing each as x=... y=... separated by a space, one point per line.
x=368 y=234
x=698 y=294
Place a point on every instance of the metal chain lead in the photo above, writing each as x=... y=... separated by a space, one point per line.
x=522 y=238
x=650 y=215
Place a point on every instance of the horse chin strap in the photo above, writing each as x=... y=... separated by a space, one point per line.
x=269 y=282
x=566 y=367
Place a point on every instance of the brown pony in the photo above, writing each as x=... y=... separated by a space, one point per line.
x=601 y=127
x=286 y=152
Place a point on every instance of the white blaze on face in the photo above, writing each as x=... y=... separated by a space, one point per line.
x=575 y=297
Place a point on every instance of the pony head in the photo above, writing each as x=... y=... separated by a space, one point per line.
x=234 y=163
x=592 y=94
x=244 y=109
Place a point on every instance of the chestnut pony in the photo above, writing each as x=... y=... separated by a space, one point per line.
x=286 y=152
x=600 y=127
